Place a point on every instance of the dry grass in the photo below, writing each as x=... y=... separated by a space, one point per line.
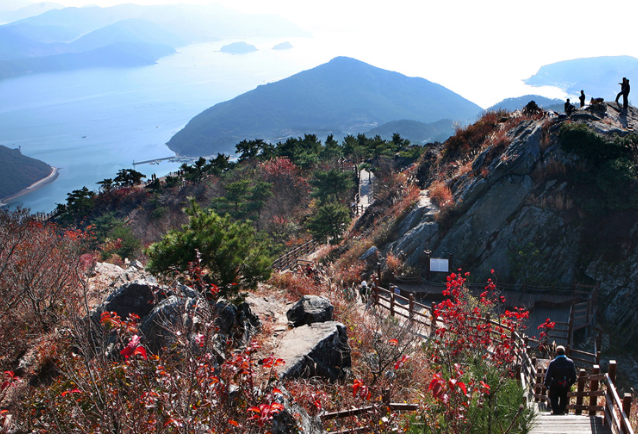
x=440 y=194
x=463 y=169
x=559 y=201
x=550 y=169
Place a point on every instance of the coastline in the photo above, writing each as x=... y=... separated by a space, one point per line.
x=55 y=172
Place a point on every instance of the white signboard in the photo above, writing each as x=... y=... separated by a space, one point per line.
x=438 y=264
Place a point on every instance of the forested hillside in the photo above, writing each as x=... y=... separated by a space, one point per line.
x=344 y=96
x=17 y=171
x=209 y=324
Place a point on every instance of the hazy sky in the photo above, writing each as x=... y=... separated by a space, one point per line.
x=479 y=49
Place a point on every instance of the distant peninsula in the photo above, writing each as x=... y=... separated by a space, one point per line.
x=238 y=48
x=599 y=77
x=20 y=174
x=341 y=97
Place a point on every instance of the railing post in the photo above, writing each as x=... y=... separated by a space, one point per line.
x=626 y=408
x=612 y=371
x=411 y=308
x=538 y=385
x=570 y=332
x=579 y=390
x=392 y=304
x=541 y=378
x=433 y=322
x=593 y=387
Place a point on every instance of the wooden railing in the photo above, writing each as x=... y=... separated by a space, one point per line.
x=588 y=391
x=581 y=311
x=616 y=411
x=385 y=406
x=287 y=260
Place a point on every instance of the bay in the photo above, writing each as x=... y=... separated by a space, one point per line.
x=91 y=123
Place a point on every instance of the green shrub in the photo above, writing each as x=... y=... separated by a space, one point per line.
x=228 y=251
x=580 y=140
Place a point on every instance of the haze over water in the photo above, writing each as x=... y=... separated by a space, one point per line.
x=91 y=123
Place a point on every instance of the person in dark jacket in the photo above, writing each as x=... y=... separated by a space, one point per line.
x=560 y=376
x=569 y=107
x=582 y=98
x=624 y=91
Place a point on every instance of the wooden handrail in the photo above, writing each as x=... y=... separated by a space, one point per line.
x=287 y=259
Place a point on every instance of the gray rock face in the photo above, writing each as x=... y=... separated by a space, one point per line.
x=522 y=214
x=371 y=252
x=310 y=309
x=497 y=218
x=319 y=349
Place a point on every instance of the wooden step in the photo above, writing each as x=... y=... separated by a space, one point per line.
x=568 y=424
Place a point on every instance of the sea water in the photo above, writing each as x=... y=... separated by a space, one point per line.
x=91 y=123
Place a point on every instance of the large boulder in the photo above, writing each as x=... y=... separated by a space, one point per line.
x=315 y=350
x=310 y=309
x=173 y=317
x=137 y=297
x=238 y=321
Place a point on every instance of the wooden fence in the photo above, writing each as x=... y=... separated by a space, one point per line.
x=289 y=259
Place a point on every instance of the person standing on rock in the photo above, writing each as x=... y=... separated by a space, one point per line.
x=560 y=376
x=582 y=98
x=624 y=91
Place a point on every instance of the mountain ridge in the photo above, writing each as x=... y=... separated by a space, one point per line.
x=343 y=95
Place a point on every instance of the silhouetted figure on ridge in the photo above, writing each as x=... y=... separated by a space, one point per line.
x=569 y=107
x=624 y=91
x=582 y=98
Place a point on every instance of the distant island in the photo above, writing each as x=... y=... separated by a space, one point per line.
x=283 y=46
x=238 y=48
x=20 y=174
x=341 y=97
x=124 y=35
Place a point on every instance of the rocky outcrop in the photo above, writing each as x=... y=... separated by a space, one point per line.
x=319 y=349
x=521 y=211
x=310 y=309
x=167 y=314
